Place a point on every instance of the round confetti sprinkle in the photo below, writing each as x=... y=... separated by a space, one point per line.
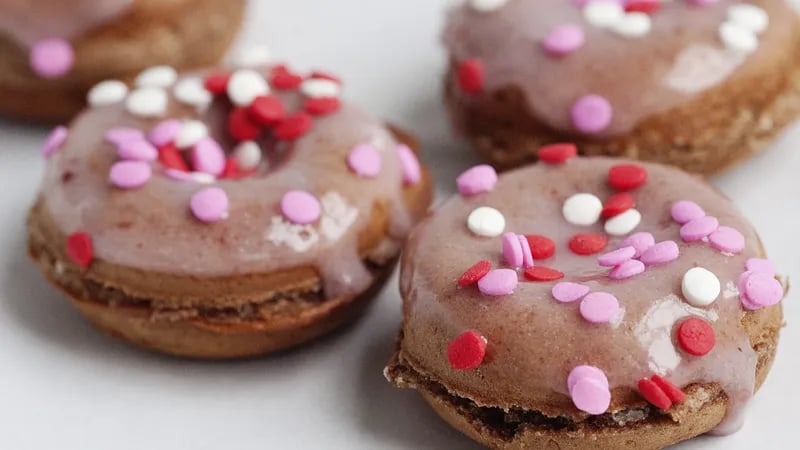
x=696 y=337
x=137 y=150
x=242 y=126
x=247 y=155
x=617 y=204
x=673 y=392
x=763 y=289
x=119 y=135
x=130 y=174
x=285 y=80
x=164 y=132
x=564 y=39
x=191 y=133
x=641 y=241
x=582 y=209
x=557 y=153
x=107 y=92
x=245 y=85
x=628 y=269
x=55 y=141
x=624 y=223
x=498 y=282
x=599 y=307
x=587 y=244
x=645 y=6
x=466 y=351
x=568 y=292
x=300 y=207
x=591 y=114
x=267 y=110
x=591 y=396
x=477 y=180
x=208 y=157
x=147 y=102
x=749 y=16
x=217 y=83
x=322 y=105
x=661 y=253
x=737 y=37
x=512 y=250
x=727 y=239
x=653 y=394
x=486 y=221
x=320 y=88
x=210 y=204
x=760 y=265
x=541 y=273
x=685 y=211
x=527 y=255
x=697 y=229
x=170 y=157
x=409 y=165
x=157 y=76
x=365 y=161
x=616 y=257
x=633 y=24
x=52 y=58
x=700 y=286
x=475 y=273
x=626 y=177
x=542 y=247
x=470 y=74
x=603 y=14
x=580 y=372
x=192 y=91
x=79 y=249
x=293 y=127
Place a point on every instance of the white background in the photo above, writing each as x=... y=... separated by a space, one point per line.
x=63 y=385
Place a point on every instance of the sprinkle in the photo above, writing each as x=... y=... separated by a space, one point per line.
x=512 y=250
x=654 y=395
x=626 y=177
x=157 y=76
x=365 y=161
x=322 y=106
x=564 y=39
x=738 y=38
x=498 y=282
x=697 y=229
x=661 y=253
x=79 y=249
x=727 y=239
x=760 y=265
x=210 y=204
x=762 y=289
x=192 y=91
x=617 y=204
x=674 y=393
x=164 y=132
x=624 y=223
x=320 y=88
x=267 y=110
x=696 y=337
x=470 y=75
x=486 y=221
x=748 y=16
x=409 y=165
x=580 y=372
x=54 y=141
x=527 y=255
x=568 y=292
x=616 y=257
x=628 y=269
x=147 y=102
x=582 y=209
x=591 y=114
x=293 y=127
x=247 y=155
x=170 y=157
x=107 y=92
x=130 y=174
x=599 y=307
x=300 y=207
x=231 y=170
x=320 y=75
x=541 y=273
x=542 y=247
x=590 y=396
x=241 y=126
x=633 y=24
x=284 y=80
x=641 y=241
x=466 y=351
x=685 y=211
x=700 y=287
x=487 y=5
x=477 y=180
x=217 y=83
x=137 y=150
x=191 y=132
x=253 y=56
x=208 y=157
x=603 y=14
x=645 y=6
x=51 y=58
x=194 y=177
x=587 y=244
x=119 y=135
x=245 y=85
x=557 y=153
x=475 y=273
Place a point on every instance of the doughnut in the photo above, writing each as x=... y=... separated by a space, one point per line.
x=53 y=51
x=226 y=213
x=586 y=303
x=700 y=84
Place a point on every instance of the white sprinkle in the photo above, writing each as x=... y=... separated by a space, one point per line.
x=107 y=92
x=603 y=14
x=487 y=5
x=192 y=131
x=633 y=24
x=250 y=57
x=147 y=102
x=317 y=87
x=582 y=209
x=486 y=221
x=191 y=91
x=624 y=223
x=700 y=287
x=737 y=37
x=247 y=155
x=748 y=16
x=245 y=85
x=157 y=76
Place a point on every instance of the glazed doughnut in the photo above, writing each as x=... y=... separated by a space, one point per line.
x=589 y=304
x=53 y=51
x=224 y=214
x=700 y=84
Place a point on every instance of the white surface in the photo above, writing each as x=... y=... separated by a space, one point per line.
x=63 y=385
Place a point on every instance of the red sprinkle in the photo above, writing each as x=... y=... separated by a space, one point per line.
x=231 y=169
x=618 y=204
x=470 y=76
x=285 y=80
x=79 y=248
x=217 y=84
x=673 y=392
x=319 y=75
x=588 y=243
x=242 y=126
x=321 y=106
x=653 y=394
x=645 y=6
x=171 y=158
x=625 y=177
x=293 y=127
x=557 y=153
x=696 y=336
x=475 y=273
x=541 y=273
x=267 y=110
x=542 y=247
x=466 y=351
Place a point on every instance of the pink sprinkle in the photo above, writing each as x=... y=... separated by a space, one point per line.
x=760 y=265
x=164 y=132
x=685 y=211
x=527 y=255
x=567 y=292
x=210 y=204
x=121 y=134
x=55 y=140
x=208 y=157
x=599 y=307
x=51 y=58
x=364 y=161
x=661 y=253
x=512 y=250
x=591 y=396
x=629 y=268
x=498 y=282
x=580 y=372
x=409 y=164
x=564 y=39
x=477 y=180
x=592 y=114
x=197 y=177
x=130 y=174
x=640 y=241
x=699 y=228
x=762 y=289
x=616 y=257
x=727 y=239
x=300 y=207
x=137 y=150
